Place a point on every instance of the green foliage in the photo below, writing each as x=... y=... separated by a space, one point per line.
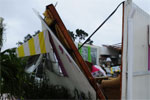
x=36 y=32
x=2 y=29
x=42 y=90
x=81 y=35
x=12 y=72
x=72 y=35
x=19 y=43
x=18 y=83
x=27 y=37
x=90 y=42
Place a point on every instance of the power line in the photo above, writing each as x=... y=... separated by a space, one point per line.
x=101 y=25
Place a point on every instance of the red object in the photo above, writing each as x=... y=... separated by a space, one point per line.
x=94 y=69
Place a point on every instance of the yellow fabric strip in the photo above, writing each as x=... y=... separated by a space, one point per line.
x=21 y=51
x=42 y=42
x=111 y=71
x=31 y=46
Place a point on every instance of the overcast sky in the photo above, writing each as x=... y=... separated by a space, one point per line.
x=20 y=19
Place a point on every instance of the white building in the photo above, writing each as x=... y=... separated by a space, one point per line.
x=98 y=54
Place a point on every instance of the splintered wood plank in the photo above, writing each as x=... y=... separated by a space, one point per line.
x=62 y=34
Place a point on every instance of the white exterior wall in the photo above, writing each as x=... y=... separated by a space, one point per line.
x=103 y=51
x=93 y=46
x=140 y=85
x=107 y=51
x=98 y=52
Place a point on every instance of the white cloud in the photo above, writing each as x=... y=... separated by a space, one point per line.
x=83 y=14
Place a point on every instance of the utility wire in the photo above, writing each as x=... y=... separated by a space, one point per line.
x=101 y=25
